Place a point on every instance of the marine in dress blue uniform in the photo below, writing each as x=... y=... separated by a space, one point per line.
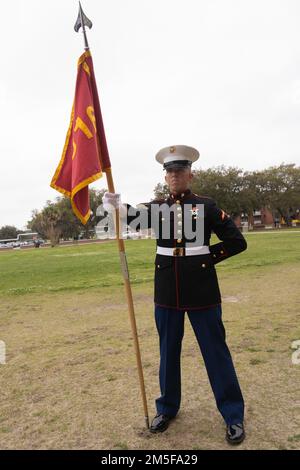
x=186 y=282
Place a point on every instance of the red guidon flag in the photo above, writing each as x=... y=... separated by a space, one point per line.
x=85 y=154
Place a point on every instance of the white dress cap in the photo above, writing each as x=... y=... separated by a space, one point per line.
x=177 y=156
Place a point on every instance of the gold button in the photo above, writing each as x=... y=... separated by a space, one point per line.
x=214 y=256
x=182 y=194
x=179 y=240
x=179 y=215
x=178 y=231
x=179 y=222
x=158 y=265
x=221 y=252
x=203 y=265
x=177 y=202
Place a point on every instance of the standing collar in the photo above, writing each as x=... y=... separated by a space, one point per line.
x=181 y=195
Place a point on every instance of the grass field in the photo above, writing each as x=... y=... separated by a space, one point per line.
x=70 y=378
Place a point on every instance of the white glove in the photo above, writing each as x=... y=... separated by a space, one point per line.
x=112 y=201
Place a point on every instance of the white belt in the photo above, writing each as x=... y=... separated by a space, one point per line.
x=181 y=251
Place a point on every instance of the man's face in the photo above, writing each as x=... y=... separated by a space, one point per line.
x=178 y=180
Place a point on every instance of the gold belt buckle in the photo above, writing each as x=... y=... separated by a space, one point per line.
x=178 y=251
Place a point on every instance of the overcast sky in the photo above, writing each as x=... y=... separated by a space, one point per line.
x=220 y=75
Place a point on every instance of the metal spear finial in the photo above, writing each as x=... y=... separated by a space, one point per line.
x=81 y=22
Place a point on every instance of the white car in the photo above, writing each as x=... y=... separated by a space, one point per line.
x=131 y=235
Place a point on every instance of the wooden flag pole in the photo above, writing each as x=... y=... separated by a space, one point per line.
x=83 y=21
x=125 y=273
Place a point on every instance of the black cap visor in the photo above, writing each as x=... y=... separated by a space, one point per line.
x=177 y=165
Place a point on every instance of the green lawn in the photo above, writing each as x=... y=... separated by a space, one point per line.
x=70 y=379
x=97 y=265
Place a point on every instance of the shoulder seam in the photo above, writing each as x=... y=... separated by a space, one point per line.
x=210 y=199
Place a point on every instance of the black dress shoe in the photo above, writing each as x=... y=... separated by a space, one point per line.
x=235 y=433
x=160 y=423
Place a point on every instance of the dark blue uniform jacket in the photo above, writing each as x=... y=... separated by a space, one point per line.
x=190 y=282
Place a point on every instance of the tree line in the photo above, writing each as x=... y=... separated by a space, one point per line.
x=236 y=191
x=242 y=192
x=57 y=221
